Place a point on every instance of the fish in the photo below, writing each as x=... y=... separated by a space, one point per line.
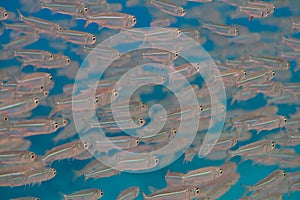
x=77 y=37
x=168 y=7
x=112 y=20
x=3 y=14
x=129 y=194
x=86 y=194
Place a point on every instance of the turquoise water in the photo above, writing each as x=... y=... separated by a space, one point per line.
x=63 y=182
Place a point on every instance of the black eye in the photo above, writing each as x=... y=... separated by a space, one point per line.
x=36 y=101
x=134 y=20
x=86 y=9
x=183 y=11
x=5 y=14
x=273 y=73
x=5 y=118
x=32 y=156
x=137 y=141
x=54 y=172
x=50 y=77
x=101 y=193
x=201 y=108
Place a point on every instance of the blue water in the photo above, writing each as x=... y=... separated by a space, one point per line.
x=112 y=186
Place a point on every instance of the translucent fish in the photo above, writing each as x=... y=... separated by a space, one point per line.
x=123 y=142
x=168 y=7
x=122 y=124
x=134 y=162
x=87 y=194
x=18 y=106
x=99 y=171
x=17 y=157
x=58 y=61
x=293 y=43
x=270 y=181
x=41 y=25
x=162 y=136
x=33 y=54
x=221 y=29
x=271 y=62
x=67 y=8
x=254 y=148
x=194 y=177
x=32 y=127
x=129 y=194
x=26 y=198
x=67 y=150
x=3 y=14
x=113 y=20
x=174 y=193
x=256 y=11
x=77 y=37
x=21 y=42
x=268 y=123
x=20 y=27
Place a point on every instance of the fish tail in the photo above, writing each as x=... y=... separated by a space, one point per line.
x=86 y=23
x=20 y=15
x=51 y=101
x=145 y=196
x=228 y=155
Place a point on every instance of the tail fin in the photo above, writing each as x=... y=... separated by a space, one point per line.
x=228 y=155
x=20 y=15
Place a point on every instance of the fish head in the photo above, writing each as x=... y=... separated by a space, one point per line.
x=99 y=194
x=29 y=156
x=233 y=31
x=180 y=11
x=195 y=192
x=143 y=107
x=4 y=14
x=66 y=60
x=91 y=39
x=282 y=121
x=172 y=133
x=130 y=22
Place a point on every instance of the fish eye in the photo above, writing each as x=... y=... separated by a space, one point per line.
x=96 y=99
x=176 y=54
x=174 y=131
x=93 y=38
x=163 y=79
x=201 y=108
x=220 y=171
x=59 y=28
x=134 y=19
x=182 y=11
x=85 y=144
x=156 y=160
x=273 y=144
x=46 y=93
x=273 y=73
x=236 y=30
x=86 y=9
x=37 y=199
x=54 y=172
x=65 y=121
x=143 y=105
x=101 y=193
x=141 y=121
x=115 y=93
x=68 y=60
x=42 y=87
x=284 y=173
x=32 y=156
x=5 y=118
x=137 y=141
x=5 y=14
x=236 y=140
x=245 y=73
x=36 y=101
x=51 y=55
x=285 y=119
x=50 y=77
x=197 y=190
x=179 y=31
x=55 y=125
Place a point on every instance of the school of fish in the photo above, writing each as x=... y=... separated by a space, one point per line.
x=259 y=69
